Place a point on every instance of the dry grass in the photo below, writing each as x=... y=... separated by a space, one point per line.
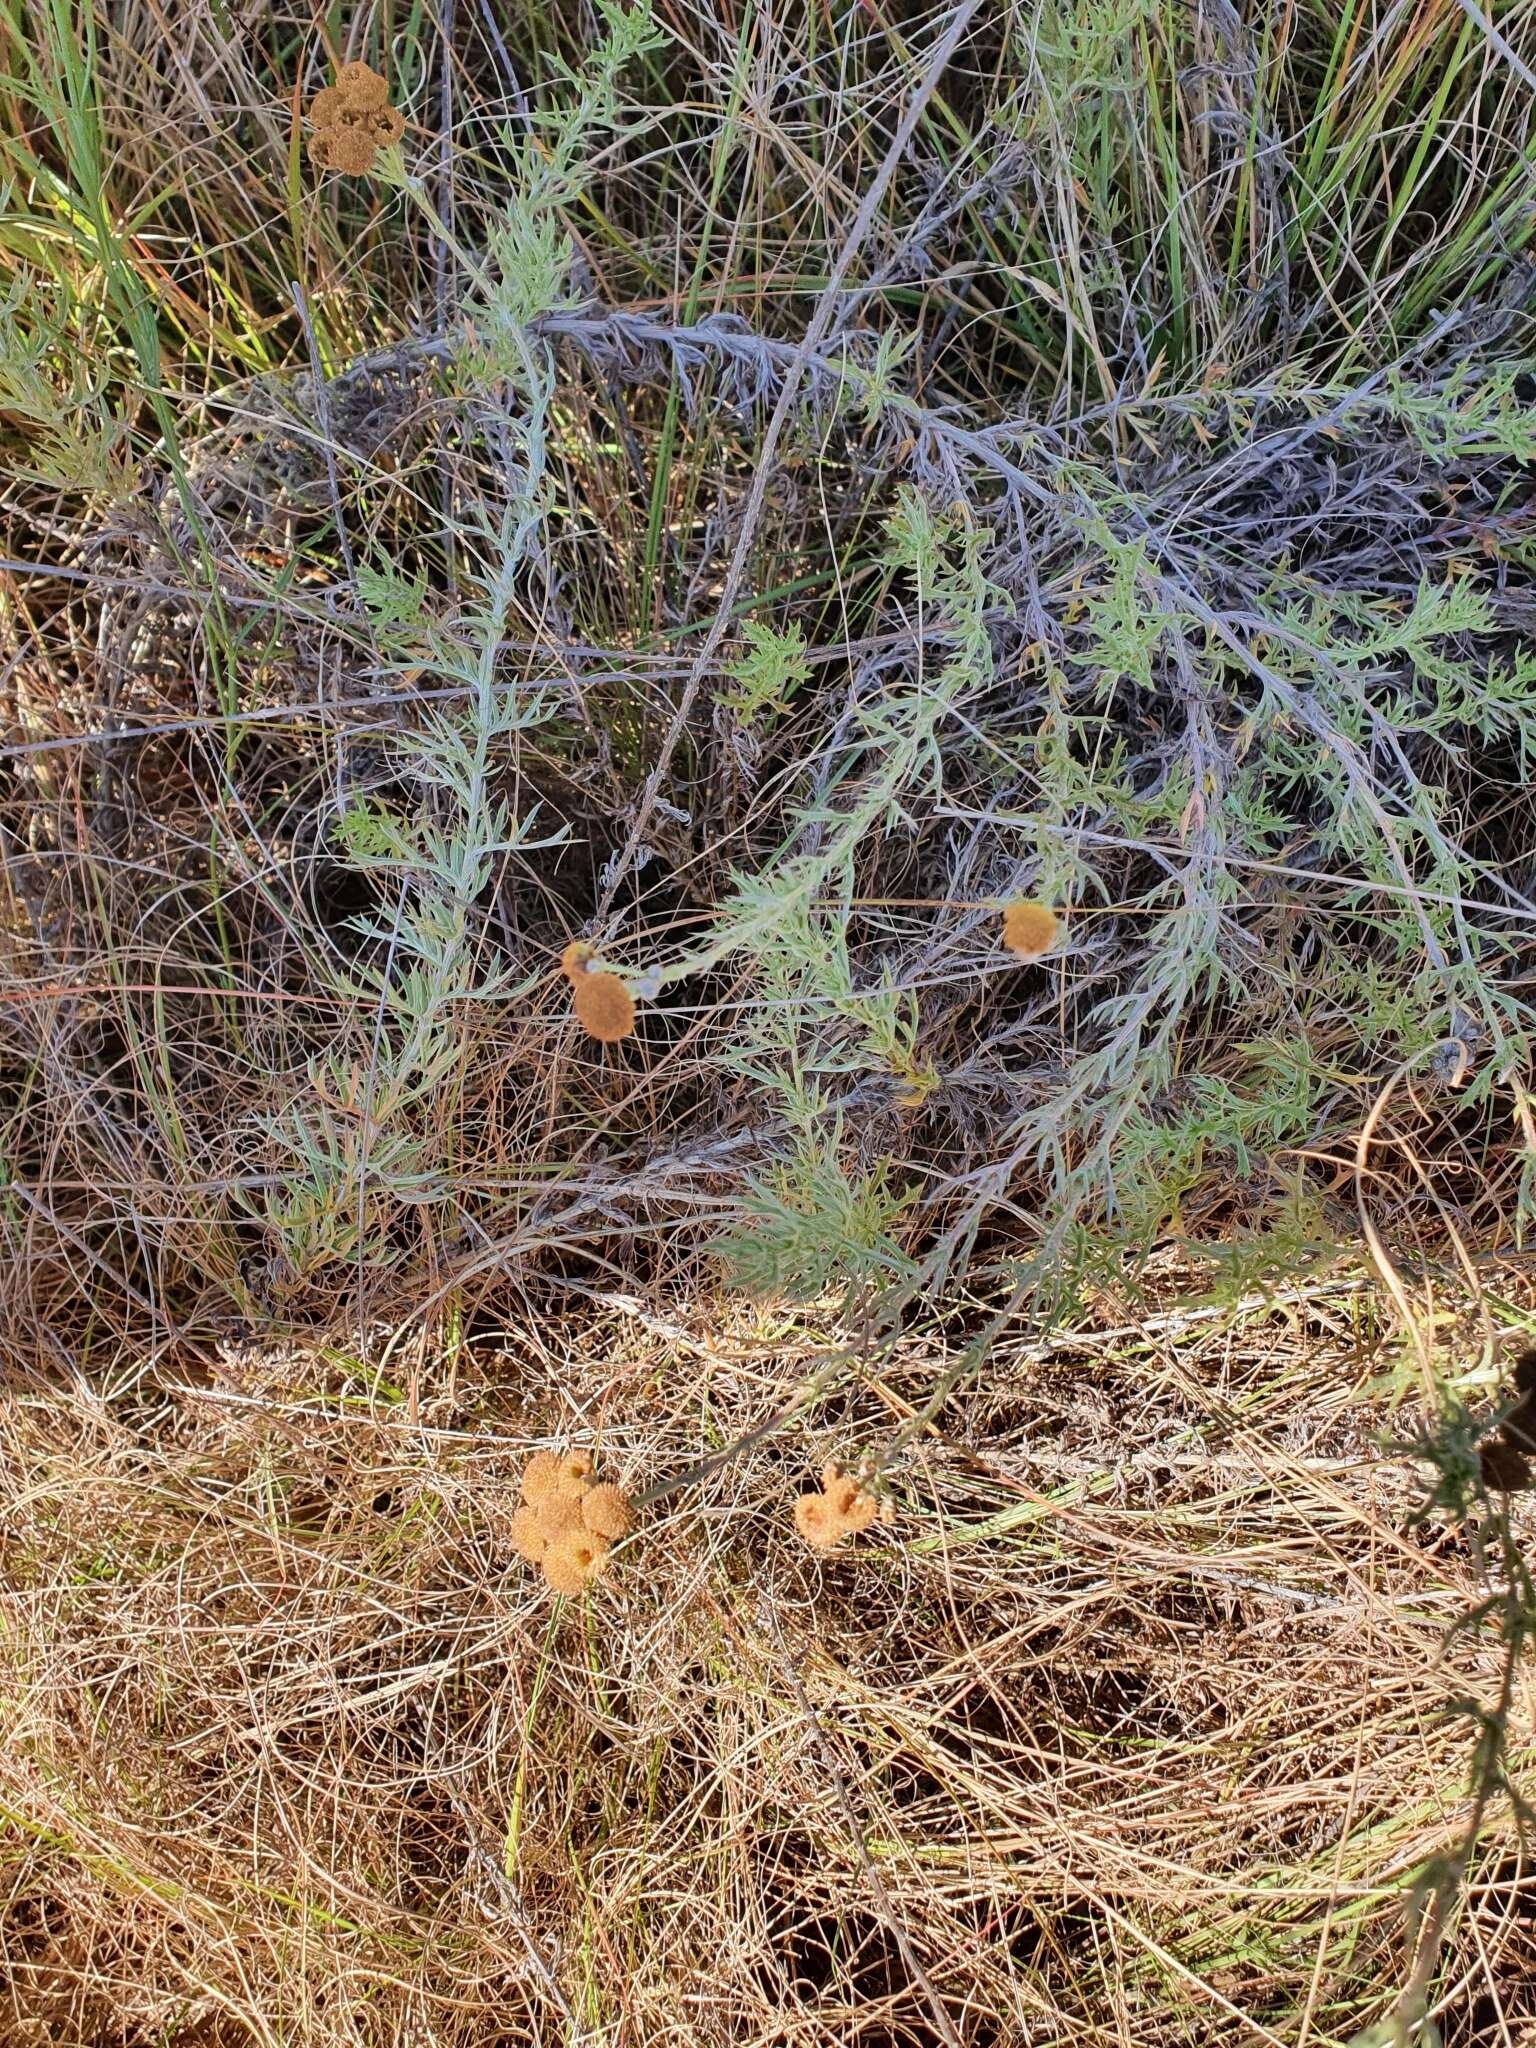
x=1130 y=1728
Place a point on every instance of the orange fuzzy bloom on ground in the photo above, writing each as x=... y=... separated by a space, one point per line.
x=841 y=1509
x=604 y=1007
x=541 y=1475
x=528 y=1537
x=853 y=1510
x=342 y=149
x=606 y=1512
x=815 y=1521
x=1029 y=929
x=560 y=1511
x=572 y=1559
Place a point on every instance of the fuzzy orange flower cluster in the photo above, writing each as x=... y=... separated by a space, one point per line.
x=1029 y=929
x=840 y=1509
x=566 y=1523
x=353 y=121
x=604 y=1007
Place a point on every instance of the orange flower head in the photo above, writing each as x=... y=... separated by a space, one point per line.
x=841 y=1509
x=1029 y=929
x=387 y=126
x=541 y=1476
x=349 y=150
x=841 y=1492
x=860 y=1513
x=566 y=1523
x=558 y=1512
x=561 y=1576
x=528 y=1538
x=607 y=1513
x=573 y=1559
x=604 y=1007
x=575 y=959
x=361 y=87
x=815 y=1521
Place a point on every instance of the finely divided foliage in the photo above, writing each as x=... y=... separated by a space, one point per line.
x=669 y=779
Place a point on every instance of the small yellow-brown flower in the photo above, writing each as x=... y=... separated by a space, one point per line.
x=840 y=1509
x=814 y=1520
x=352 y=121
x=559 y=1512
x=361 y=87
x=343 y=149
x=604 y=1007
x=607 y=1512
x=528 y=1537
x=547 y=1477
x=1029 y=929
x=573 y=1557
